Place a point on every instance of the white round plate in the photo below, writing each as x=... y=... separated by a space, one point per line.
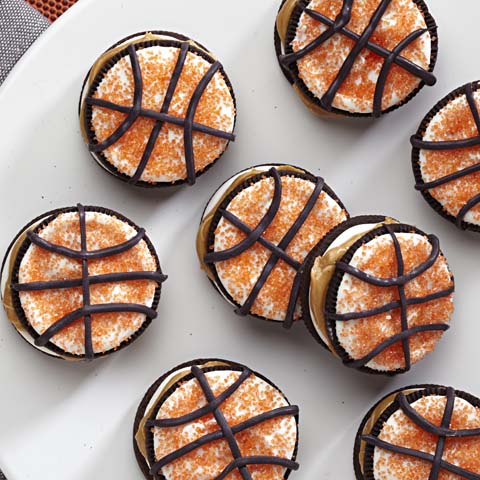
x=61 y=421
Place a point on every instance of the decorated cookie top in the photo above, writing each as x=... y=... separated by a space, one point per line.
x=428 y=434
x=222 y=422
x=446 y=157
x=260 y=235
x=158 y=110
x=389 y=299
x=362 y=56
x=85 y=281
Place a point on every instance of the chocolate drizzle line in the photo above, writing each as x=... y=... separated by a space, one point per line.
x=443 y=432
x=339 y=25
x=162 y=117
x=86 y=281
x=419 y=143
x=403 y=303
x=278 y=251
x=226 y=431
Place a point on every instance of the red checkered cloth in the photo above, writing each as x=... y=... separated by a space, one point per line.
x=51 y=9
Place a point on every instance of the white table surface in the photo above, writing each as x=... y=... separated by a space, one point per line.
x=60 y=421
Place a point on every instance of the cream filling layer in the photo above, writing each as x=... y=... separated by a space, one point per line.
x=345 y=239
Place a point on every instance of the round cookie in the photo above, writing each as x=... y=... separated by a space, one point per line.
x=426 y=432
x=359 y=58
x=446 y=157
x=215 y=419
x=157 y=109
x=377 y=294
x=80 y=283
x=256 y=232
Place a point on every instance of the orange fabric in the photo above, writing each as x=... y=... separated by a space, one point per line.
x=52 y=9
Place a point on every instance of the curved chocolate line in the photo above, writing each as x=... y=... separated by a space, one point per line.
x=190 y=417
x=394 y=339
x=255 y=234
x=473 y=202
x=188 y=129
x=346 y=317
x=395 y=281
x=371 y=440
x=92 y=280
x=65 y=321
x=218 y=435
x=403 y=62
x=258 y=460
x=342 y=20
x=261 y=240
x=89 y=255
x=403 y=297
x=346 y=68
x=292 y=303
x=147 y=153
x=448 y=178
x=226 y=431
x=447 y=417
x=382 y=79
x=161 y=117
x=222 y=421
x=87 y=319
x=472 y=104
x=423 y=423
x=445 y=145
x=134 y=112
x=282 y=245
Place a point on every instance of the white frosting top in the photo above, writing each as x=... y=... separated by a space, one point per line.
x=254 y=397
x=348 y=302
x=167 y=162
x=326 y=214
x=44 y=308
x=318 y=69
x=447 y=196
x=399 y=430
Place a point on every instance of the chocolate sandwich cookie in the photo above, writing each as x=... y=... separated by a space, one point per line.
x=359 y=58
x=215 y=419
x=256 y=232
x=79 y=283
x=446 y=157
x=378 y=294
x=423 y=432
x=157 y=109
